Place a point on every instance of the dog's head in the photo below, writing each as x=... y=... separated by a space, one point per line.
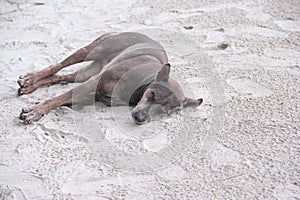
x=164 y=91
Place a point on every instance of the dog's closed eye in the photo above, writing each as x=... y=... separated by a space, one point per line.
x=150 y=96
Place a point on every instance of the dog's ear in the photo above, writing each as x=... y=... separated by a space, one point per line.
x=192 y=103
x=164 y=73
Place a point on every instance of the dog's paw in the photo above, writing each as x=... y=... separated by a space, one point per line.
x=27 y=80
x=26 y=90
x=29 y=115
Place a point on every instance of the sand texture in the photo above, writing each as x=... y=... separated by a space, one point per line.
x=242 y=57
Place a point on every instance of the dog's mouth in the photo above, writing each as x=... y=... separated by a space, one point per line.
x=140 y=123
x=143 y=122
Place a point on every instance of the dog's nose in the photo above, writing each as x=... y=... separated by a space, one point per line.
x=140 y=116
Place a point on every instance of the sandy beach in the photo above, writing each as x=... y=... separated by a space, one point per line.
x=242 y=57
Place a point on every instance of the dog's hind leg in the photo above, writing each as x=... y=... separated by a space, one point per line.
x=77 y=57
x=84 y=93
x=77 y=77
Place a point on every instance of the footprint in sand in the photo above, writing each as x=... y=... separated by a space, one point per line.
x=245 y=86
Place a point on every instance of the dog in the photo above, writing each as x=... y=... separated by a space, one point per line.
x=126 y=68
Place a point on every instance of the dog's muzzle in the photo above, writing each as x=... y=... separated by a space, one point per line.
x=140 y=117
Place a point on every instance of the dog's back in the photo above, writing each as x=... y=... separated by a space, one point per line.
x=119 y=46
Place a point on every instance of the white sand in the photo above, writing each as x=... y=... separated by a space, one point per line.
x=242 y=143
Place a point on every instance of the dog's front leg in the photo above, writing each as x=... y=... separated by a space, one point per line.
x=81 y=94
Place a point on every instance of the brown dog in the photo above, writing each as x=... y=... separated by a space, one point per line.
x=127 y=69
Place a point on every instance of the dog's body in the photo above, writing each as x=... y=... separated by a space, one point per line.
x=127 y=69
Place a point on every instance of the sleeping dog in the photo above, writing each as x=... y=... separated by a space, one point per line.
x=126 y=69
